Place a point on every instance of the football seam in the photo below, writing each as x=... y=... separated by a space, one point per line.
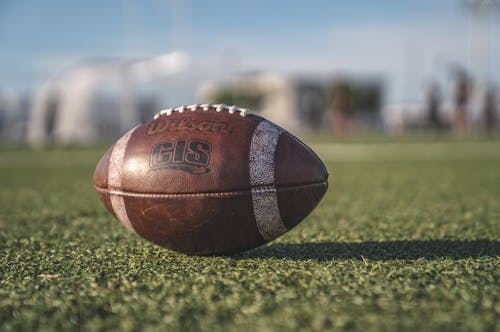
x=212 y=194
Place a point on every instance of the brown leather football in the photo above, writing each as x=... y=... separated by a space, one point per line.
x=209 y=179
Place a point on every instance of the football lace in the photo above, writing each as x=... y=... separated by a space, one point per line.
x=205 y=107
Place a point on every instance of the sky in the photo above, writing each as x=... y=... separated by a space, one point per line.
x=406 y=43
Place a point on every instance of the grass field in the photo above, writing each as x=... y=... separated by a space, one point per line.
x=407 y=238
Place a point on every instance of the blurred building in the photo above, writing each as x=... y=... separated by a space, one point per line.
x=82 y=105
x=98 y=100
x=304 y=103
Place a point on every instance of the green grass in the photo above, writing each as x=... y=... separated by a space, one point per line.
x=407 y=238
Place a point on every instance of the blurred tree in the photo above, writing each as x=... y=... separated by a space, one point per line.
x=490 y=120
x=341 y=107
x=433 y=104
x=462 y=92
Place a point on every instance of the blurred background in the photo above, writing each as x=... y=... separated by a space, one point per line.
x=83 y=72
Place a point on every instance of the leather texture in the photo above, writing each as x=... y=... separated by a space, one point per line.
x=185 y=182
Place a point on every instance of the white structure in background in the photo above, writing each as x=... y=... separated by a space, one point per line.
x=272 y=96
x=301 y=104
x=66 y=108
x=280 y=108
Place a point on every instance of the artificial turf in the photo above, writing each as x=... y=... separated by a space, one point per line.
x=407 y=238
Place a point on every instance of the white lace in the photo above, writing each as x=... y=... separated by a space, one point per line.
x=204 y=107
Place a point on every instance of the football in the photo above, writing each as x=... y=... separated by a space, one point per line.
x=209 y=179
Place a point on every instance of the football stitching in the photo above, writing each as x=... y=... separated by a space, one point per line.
x=205 y=107
x=262 y=189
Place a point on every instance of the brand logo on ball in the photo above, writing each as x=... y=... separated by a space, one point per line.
x=160 y=125
x=188 y=156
